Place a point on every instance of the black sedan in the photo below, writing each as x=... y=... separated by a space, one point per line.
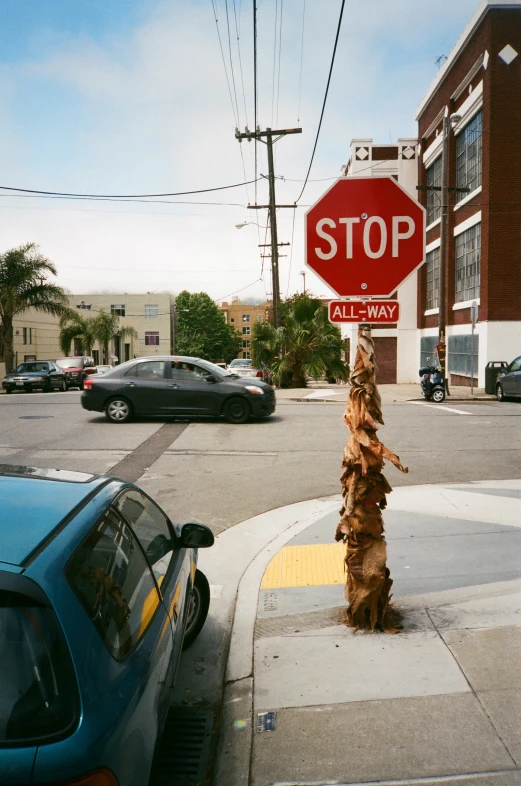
x=35 y=374
x=176 y=386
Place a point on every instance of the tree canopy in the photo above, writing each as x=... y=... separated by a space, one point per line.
x=201 y=330
x=306 y=344
x=24 y=284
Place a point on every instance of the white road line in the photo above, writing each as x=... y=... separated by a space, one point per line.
x=439 y=406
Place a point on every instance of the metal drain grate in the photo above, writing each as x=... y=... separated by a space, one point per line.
x=185 y=747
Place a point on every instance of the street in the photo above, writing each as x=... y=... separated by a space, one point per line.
x=222 y=474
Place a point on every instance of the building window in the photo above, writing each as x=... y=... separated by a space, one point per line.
x=434 y=197
x=463 y=354
x=245 y=317
x=468 y=157
x=468 y=257
x=232 y=319
x=152 y=338
x=246 y=331
x=118 y=309
x=433 y=278
x=151 y=311
x=245 y=344
x=27 y=335
x=259 y=317
x=427 y=350
x=246 y=355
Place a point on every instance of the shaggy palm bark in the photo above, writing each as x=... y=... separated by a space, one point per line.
x=364 y=488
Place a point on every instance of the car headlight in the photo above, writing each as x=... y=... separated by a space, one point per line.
x=255 y=389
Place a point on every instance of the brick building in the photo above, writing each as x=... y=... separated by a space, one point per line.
x=243 y=316
x=479 y=88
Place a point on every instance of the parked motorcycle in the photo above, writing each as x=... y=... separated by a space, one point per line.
x=432 y=384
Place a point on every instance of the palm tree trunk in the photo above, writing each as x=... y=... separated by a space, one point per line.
x=7 y=343
x=364 y=488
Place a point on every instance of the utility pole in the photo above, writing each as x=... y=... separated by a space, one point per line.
x=448 y=123
x=267 y=137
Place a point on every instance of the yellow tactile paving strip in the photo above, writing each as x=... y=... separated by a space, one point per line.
x=306 y=566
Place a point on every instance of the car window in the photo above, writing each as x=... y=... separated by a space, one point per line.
x=151 y=369
x=37 y=685
x=112 y=579
x=189 y=372
x=151 y=527
x=516 y=365
x=25 y=368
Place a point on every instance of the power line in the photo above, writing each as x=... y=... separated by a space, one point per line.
x=325 y=97
x=124 y=196
x=123 y=201
x=238 y=290
x=240 y=61
x=274 y=60
x=291 y=252
x=224 y=61
x=231 y=66
x=301 y=58
x=255 y=97
x=278 y=76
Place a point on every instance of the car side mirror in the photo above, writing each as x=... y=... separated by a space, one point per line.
x=196 y=536
x=210 y=379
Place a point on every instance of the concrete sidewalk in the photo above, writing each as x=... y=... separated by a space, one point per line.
x=308 y=701
x=388 y=392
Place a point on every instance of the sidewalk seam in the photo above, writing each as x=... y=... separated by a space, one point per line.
x=500 y=738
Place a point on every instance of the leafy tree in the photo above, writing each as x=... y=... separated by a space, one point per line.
x=306 y=344
x=201 y=329
x=23 y=285
x=74 y=326
x=106 y=327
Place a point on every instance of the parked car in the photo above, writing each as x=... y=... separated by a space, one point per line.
x=103 y=369
x=170 y=386
x=77 y=369
x=99 y=593
x=244 y=368
x=34 y=374
x=508 y=383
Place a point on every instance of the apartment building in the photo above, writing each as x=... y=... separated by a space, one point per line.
x=243 y=316
x=37 y=336
x=479 y=89
x=395 y=345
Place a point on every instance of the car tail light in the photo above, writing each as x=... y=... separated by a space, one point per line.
x=87 y=384
x=258 y=374
x=101 y=777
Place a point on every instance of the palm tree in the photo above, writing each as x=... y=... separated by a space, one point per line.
x=306 y=345
x=23 y=285
x=106 y=327
x=74 y=326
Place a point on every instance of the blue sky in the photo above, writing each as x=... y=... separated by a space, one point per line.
x=130 y=96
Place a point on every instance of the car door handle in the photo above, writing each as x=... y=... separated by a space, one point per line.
x=131 y=385
x=172 y=386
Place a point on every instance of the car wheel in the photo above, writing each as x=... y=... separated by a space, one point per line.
x=500 y=394
x=8 y=390
x=237 y=410
x=82 y=383
x=47 y=387
x=118 y=410
x=438 y=396
x=63 y=386
x=198 y=605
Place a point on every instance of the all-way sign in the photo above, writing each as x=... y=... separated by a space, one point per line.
x=376 y=312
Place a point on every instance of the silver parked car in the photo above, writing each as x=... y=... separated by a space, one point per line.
x=508 y=383
x=243 y=367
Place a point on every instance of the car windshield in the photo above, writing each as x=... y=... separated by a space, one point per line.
x=37 y=689
x=70 y=362
x=240 y=362
x=31 y=368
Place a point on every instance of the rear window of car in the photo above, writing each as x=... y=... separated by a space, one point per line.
x=38 y=694
x=113 y=581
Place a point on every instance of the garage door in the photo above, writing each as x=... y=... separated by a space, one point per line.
x=386 y=357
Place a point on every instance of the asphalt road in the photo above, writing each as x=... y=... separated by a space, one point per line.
x=221 y=474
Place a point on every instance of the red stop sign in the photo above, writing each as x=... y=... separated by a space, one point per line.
x=364 y=236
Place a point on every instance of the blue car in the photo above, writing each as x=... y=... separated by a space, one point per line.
x=99 y=592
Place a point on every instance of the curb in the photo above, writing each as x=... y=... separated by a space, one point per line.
x=235 y=747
